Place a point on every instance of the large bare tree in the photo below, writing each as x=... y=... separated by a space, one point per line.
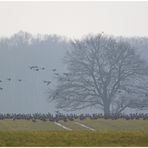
x=104 y=72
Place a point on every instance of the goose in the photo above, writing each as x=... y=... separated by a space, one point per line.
x=9 y=79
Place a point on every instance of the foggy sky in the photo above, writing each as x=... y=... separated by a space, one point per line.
x=74 y=19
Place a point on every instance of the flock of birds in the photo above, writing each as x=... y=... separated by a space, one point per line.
x=71 y=117
x=37 y=68
x=61 y=116
x=34 y=68
x=8 y=79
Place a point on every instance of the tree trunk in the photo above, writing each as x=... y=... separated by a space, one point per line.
x=106 y=110
x=106 y=103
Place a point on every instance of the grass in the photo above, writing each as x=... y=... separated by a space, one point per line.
x=72 y=138
x=24 y=125
x=72 y=125
x=100 y=125
x=116 y=125
x=108 y=133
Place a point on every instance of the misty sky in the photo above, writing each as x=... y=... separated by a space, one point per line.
x=74 y=19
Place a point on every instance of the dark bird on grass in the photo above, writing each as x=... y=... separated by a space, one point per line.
x=57 y=112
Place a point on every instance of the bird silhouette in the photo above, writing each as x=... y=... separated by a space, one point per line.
x=33 y=67
x=57 y=74
x=9 y=79
x=47 y=82
x=66 y=74
x=37 y=69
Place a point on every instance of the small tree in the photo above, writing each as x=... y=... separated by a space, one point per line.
x=103 y=72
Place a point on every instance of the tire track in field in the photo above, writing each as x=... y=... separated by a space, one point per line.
x=66 y=128
x=78 y=123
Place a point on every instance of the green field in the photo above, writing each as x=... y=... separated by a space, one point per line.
x=24 y=125
x=108 y=133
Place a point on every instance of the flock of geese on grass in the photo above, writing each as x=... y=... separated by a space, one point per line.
x=37 y=69
x=72 y=117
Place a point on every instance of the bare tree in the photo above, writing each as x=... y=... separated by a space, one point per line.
x=102 y=71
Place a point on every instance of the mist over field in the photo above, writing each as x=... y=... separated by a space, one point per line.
x=18 y=53
x=23 y=50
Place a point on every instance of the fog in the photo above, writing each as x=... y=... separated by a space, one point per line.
x=23 y=50
x=31 y=94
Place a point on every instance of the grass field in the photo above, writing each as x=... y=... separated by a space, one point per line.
x=108 y=133
x=24 y=125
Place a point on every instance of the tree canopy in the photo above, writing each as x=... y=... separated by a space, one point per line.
x=104 y=72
